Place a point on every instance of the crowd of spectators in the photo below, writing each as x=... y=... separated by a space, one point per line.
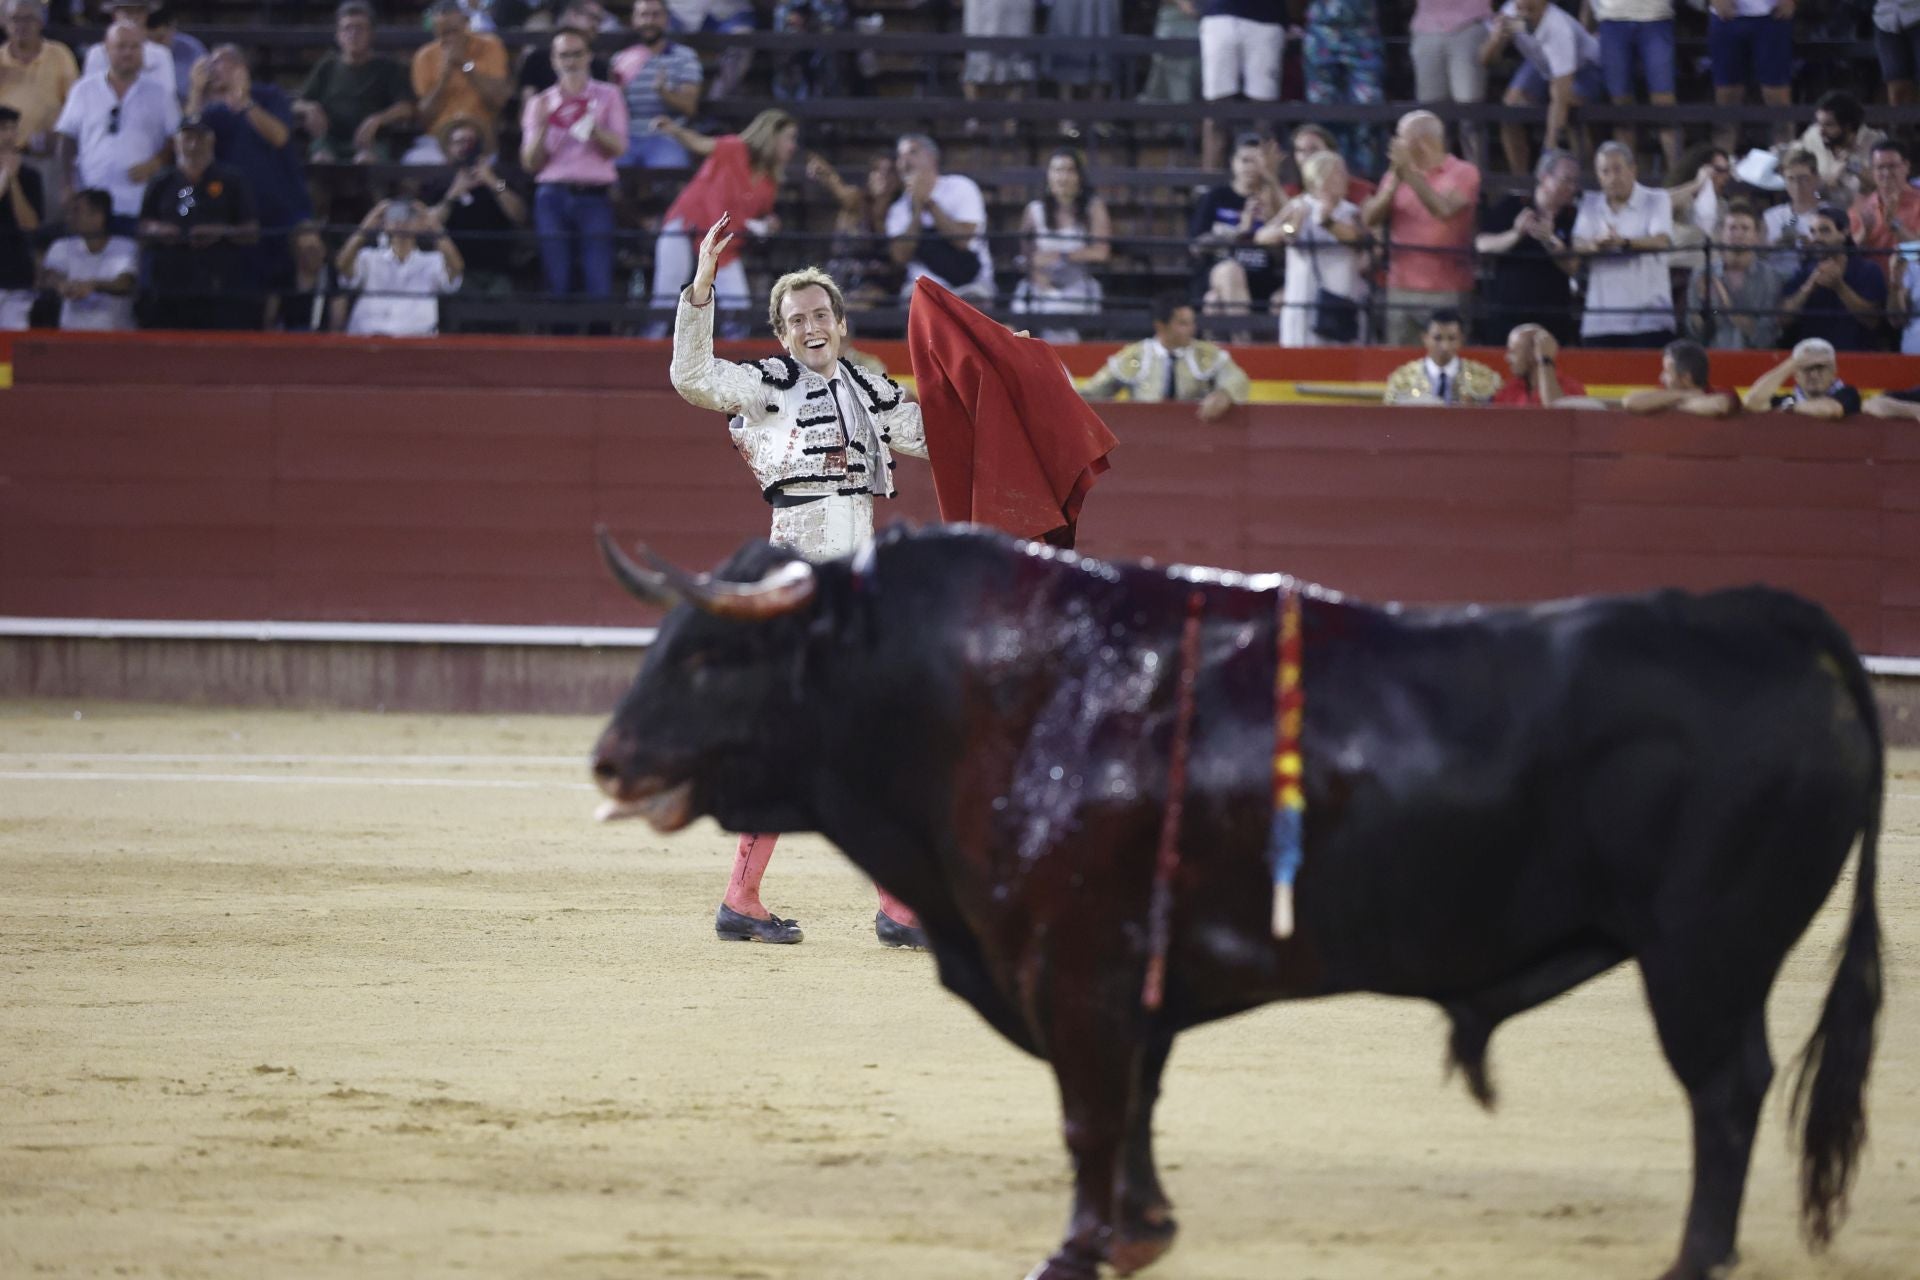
x=150 y=150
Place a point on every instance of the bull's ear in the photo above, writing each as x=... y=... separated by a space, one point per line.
x=782 y=590
x=645 y=585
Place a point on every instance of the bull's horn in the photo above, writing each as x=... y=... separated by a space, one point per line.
x=644 y=584
x=780 y=590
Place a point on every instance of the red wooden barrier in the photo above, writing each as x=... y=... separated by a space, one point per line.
x=460 y=480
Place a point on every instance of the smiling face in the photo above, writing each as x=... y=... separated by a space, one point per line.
x=810 y=330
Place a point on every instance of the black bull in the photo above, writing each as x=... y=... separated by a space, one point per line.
x=1501 y=804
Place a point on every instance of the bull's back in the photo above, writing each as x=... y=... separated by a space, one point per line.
x=1496 y=786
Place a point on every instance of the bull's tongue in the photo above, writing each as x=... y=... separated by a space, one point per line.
x=667 y=810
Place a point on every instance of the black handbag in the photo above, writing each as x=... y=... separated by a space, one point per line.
x=1336 y=317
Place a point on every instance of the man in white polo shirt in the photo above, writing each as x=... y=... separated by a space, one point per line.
x=1561 y=65
x=156 y=61
x=1625 y=230
x=117 y=127
x=938 y=225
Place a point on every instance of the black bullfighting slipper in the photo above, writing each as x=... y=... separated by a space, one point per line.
x=894 y=934
x=730 y=926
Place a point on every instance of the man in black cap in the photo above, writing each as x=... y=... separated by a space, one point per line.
x=199 y=223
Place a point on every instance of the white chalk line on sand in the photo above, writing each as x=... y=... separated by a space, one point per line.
x=286 y=779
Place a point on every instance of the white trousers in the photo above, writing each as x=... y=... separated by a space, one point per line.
x=825 y=528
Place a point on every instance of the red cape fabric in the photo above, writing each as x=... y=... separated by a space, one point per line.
x=1011 y=442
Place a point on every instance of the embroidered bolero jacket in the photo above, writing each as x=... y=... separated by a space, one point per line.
x=784 y=420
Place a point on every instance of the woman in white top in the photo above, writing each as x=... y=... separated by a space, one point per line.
x=1326 y=249
x=1064 y=236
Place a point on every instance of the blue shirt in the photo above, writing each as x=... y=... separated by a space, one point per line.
x=279 y=187
x=1825 y=316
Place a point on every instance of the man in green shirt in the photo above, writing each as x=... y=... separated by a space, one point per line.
x=353 y=102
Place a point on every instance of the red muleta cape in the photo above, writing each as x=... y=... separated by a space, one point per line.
x=1011 y=442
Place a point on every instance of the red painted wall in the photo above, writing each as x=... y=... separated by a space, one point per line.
x=170 y=477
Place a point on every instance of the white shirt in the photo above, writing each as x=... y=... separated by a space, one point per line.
x=1633 y=10
x=120 y=256
x=1750 y=9
x=961 y=200
x=1626 y=292
x=149 y=115
x=1450 y=371
x=1775 y=222
x=1559 y=46
x=155 y=62
x=399 y=297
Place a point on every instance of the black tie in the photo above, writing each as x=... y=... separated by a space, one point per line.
x=1168 y=393
x=1443 y=386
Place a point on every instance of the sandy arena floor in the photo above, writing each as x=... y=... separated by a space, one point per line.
x=294 y=995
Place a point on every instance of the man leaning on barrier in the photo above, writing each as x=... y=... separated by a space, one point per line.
x=1817 y=390
x=1685 y=386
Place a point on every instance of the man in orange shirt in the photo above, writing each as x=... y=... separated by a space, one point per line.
x=459 y=73
x=1890 y=213
x=1427 y=204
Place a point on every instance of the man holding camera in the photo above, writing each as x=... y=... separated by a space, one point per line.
x=401 y=276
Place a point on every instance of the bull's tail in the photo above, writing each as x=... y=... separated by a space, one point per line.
x=1830 y=1084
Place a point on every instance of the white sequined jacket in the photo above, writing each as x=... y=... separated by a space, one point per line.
x=785 y=422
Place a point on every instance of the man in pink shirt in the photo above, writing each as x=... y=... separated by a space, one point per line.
x=1426 y=204
x=1888 y=215
x=571 y=134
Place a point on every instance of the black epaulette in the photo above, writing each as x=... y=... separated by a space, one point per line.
x=877 y=401
x=779 y=371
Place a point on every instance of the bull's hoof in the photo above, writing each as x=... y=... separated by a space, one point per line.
x=1140 y=1251
x=1068 y=1264
x=730 y=926
x=1685 y=1270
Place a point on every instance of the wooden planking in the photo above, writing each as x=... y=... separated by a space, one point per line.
x=400 y=505
x=1747 y=436
x=1849 y=483
x=1467 y=480
x=1785 y=530
x=472 y=596
x=76 y=504
x=1402 y=429
x=1430 y=575
x=374 y=553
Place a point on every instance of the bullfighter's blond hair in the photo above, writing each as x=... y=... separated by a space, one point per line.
x=804 y=278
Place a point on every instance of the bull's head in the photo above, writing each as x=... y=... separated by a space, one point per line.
x=717 y=700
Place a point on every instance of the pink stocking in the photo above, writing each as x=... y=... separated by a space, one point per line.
x=749 y=864
x=896 y=910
